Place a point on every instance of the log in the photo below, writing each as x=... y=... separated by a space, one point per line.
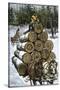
x=16 y=61
x=22 y=68
x=43 y=36
x=35 y=70
x=20 y=46
x=31 y=71
x=38 y=45
x=26 y=58
x=45 y=54
x=38 y=69
x=29 y=47
x=17 y=54
x=51 y=57
x=49 y=45
x=24 y=38
x=36 y=56
x=32 y=36
x=38 y=27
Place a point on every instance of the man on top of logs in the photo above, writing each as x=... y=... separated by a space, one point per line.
x=34 y=19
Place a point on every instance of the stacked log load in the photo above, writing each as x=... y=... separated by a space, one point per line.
x=38 y=60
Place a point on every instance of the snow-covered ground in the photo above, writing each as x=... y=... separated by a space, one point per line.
x=16 y=80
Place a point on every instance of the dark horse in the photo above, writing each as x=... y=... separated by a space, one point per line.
x=16 y=37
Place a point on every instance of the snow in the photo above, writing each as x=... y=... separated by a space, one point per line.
x=14 y=79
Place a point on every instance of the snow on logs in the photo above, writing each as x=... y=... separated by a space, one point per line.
x=37 y=53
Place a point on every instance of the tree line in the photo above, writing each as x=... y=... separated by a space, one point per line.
x=47 y=16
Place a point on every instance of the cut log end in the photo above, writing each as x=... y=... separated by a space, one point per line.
x=29 y=47
x=36 y=56
x=26 y=58
x=38 y=45
x=49 y=45
x=22 y=69
x=32 y=36
x=43 y=36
